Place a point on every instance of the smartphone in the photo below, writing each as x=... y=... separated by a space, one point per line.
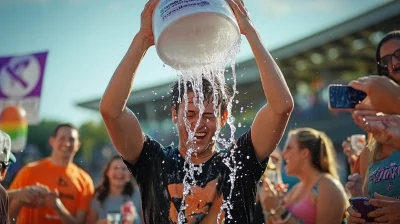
x=362 y=206
x=344 y=97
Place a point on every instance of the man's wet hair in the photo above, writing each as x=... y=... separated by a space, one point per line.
x=177 y=92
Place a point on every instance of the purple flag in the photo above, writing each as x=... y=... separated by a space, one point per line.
x=22 y=76
x=21 y=79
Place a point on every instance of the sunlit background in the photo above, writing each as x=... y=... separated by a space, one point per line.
x=86 y=39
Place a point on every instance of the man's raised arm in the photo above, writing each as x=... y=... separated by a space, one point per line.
x=271 y=120
x=122 y=125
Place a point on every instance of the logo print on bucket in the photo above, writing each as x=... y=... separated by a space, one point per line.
x=175 y=6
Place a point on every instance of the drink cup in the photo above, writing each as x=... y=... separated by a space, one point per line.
x=358 y=142
x=113 y=218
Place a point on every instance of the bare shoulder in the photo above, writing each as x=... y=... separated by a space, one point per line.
x=330 y=184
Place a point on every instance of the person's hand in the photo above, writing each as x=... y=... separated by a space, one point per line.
x=354 y=185
x=281 y=190
x=388 y=209
x=32 y=196
x=361 y=118
x=346 y=145
x=128 y=211
x=384 y=128
x=146 y=26
x=52 y=199
x=382 y=91
x=354 y=217
x=269 y=198
x=242 y=16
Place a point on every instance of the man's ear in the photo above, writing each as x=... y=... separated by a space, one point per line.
x=174 y=115
x=224 y=118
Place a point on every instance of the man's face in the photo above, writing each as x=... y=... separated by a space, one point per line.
x=207 y=127
x=66 y=143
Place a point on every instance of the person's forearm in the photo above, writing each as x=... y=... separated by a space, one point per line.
x=274 y=85
x=118 y=90
x=63 y=213
x=397 y=104
x=14 y=208
x=12 y=194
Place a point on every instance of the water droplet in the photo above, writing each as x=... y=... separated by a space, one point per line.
x=193 y=77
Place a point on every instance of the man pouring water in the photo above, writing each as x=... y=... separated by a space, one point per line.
x=160 y=170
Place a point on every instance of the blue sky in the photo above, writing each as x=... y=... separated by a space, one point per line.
x=86 y=40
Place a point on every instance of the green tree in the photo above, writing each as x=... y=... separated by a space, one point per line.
x=93 y=135
x=39 y=135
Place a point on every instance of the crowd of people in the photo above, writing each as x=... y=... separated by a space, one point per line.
x=145 y=183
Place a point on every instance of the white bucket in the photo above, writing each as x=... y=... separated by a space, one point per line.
x=193 y=33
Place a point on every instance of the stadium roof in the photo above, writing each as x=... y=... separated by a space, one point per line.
x=351 y=44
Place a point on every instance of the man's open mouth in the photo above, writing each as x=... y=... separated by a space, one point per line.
x=200 y=135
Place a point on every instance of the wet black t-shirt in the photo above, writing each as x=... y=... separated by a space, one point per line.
x=4 y=206
x=159 y=172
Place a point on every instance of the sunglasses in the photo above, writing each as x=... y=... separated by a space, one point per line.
x=387 y=59
x=3 y=166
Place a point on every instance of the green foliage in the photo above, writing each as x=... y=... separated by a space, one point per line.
x=38 y=135
x=93 y=135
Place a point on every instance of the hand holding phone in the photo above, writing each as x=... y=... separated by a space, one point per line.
x=362 y=206
x=344 y=97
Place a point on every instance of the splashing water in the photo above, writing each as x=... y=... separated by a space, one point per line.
x=194 y=76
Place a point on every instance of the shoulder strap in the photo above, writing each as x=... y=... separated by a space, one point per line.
x=316 y=185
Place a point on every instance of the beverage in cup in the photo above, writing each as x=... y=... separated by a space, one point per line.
x=357 y=142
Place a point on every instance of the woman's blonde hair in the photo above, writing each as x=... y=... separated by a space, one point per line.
x=321 y=147
x=375 y=149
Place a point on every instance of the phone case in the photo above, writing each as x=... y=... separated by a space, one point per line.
x=362 y=205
